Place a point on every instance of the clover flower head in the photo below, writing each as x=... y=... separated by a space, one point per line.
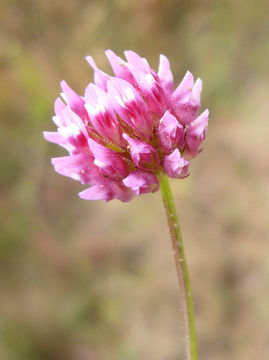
x=128 y=128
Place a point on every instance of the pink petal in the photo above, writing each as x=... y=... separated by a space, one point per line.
x=59 y=106
x=195 y=134
x=196 y=93
x=143 y=155
x=170 y=132
x=79 y=167
x=102 y=116
x=130 y=106
x=148 y=83
x=96 y=192
x=186 y=99
x=136 y=60
x=175 y=165
x=54 y=137
x=185 y=86
x=107 y=191
x=165 y=74
x=100 y=77
x=75 y=101
x=119 y=67
x=141 y=182
x=74 y=136
x=108 y=161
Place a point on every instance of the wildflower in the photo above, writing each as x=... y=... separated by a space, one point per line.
x=128 y=128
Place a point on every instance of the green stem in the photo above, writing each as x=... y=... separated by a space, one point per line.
x=182 y=269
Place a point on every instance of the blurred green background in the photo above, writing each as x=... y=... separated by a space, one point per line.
x=93 y=281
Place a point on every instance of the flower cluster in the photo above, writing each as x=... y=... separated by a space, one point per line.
x=128 y=128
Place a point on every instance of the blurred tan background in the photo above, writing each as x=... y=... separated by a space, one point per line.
x=93 y=281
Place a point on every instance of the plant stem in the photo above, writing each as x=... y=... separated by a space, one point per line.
x=182 y=269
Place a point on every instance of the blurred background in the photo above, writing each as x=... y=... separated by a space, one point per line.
x=93 y=281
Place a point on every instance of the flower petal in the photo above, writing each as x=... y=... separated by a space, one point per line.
x=78 y=167
x=195 y=134
x=120 y=67
x=100 y=77
x=142 y=182
x=75 y=101
x=165 y=74
x=130 y=106
x=108 y=161
x=186 y=99
x=107 y=191
x=102 y=117
x=143 y=155
x=54 y=137
x=175 y=165
x=170 y=132
x=147 y=82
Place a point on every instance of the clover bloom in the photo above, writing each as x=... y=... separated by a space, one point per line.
x=128 y=128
